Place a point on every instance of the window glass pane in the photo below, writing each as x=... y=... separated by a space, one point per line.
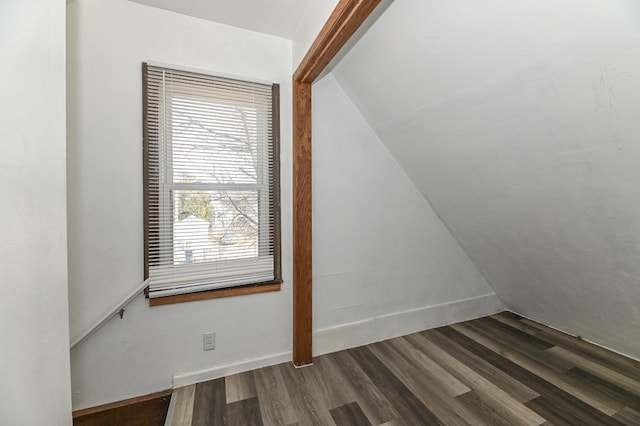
x=214 y=143
x=215 y=225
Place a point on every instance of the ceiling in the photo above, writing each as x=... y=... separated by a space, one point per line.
x=276 y=17
x=518 y=121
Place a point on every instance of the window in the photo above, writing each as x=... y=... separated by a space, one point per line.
x=211 y=182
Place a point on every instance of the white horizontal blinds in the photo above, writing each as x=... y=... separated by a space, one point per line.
x=210 y=182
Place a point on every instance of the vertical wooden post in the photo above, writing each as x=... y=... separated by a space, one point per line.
x=343 y=22
x=302 y=266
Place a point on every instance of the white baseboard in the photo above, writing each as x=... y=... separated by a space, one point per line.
x=396 y=324
x=360 y=333
x=184 y=379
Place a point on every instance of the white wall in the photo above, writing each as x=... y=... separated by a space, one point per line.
x=314 y=18
x=34 y=334
x=518 y=120
x=384 y=264
x=108 y=40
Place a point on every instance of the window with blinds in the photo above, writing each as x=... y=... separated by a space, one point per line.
x=211 y=182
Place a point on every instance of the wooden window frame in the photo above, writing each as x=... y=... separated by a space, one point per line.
x=345 y=19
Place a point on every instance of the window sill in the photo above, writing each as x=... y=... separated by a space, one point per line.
x=217 y=294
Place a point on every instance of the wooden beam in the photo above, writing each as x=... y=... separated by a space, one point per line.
x=336 y=32
x=302 y=265
x=341 y=25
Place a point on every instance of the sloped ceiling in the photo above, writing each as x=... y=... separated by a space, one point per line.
x=275 y=17
x=519 y=121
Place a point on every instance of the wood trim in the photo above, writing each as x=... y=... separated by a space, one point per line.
x=120 y=404
x=215 y=294
x=302 y=260
x=145 y=167
x=275 y=190
x=346 y=18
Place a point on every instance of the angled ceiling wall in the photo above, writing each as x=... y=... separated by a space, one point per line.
x=519 y=122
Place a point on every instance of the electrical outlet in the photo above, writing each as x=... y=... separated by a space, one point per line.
x=208 y=341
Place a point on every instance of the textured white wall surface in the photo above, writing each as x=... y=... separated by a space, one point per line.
x=518 y=121
x=309 y=25
x=380 y=251
x=107 y=42
x=34 y=333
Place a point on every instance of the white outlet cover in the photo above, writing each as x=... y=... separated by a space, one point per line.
x=208 y=341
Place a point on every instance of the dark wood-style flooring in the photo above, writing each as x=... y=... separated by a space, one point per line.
x=499 y=370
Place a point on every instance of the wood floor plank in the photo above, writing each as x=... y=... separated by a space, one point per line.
x=597 y=370
x=628 y=417
x=342 y=392
x=501 y=370
x=429 y=368
x=564 y=405
x=240 y=386
x=349 y=415
x=209 y=405
x=339 y=391
x=514 y=321
x=552 y=413
x=244 y=412
x=183 y=411
x=551 y=392
x=583 y=378
x=273 y=398
x=403 y=400
x=445 y=338
x=522 y=342
x=443 y=406
x=620 y=363
x=307 y=400
x=485 y=414
x=520 y=336
x=512 y=315
x=493 y=396
x=375 y=405
x=605 y=405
